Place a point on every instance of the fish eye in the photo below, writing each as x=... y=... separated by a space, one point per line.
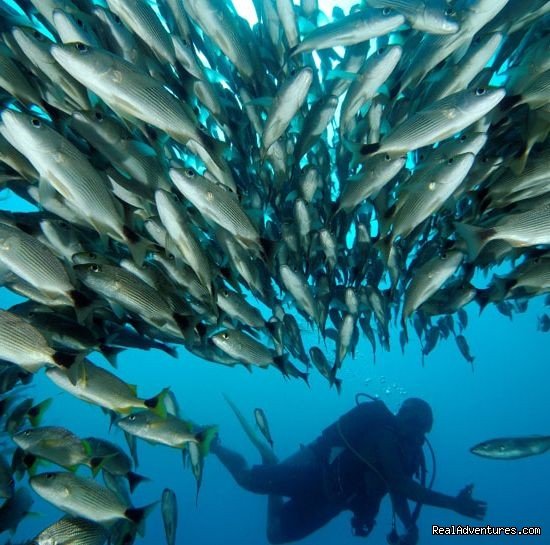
x=463 y=138
x=117 y=19
x=80 y=23
x=50 y=476
x=64 y=224
x=451 y=161
x=94 y=267
x=225 y=336
x=36 y=122
x=190 y=173
x=80 y=47
x=99 y=116
x=225 y=293
x=27 y=433
x=381 y=50
x=421 y=157
x=480 y=91
x=449 y=12
x=171 y=257
x=386 y=11
x=132 y=417
x=444 y=255
x=38 y=35
x=184 y=42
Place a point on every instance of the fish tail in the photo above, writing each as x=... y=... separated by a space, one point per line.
x=304 y=375
x=157 y=403
x=482 y=199
x=337 y=382
x=111 y=353
x=36 y=413
x=518 y=163
x=73 y=365
x=185 y=324
x=138 y=246
x=134 y=479
x=332 y=380
x=23 y=461
x=83 y=305
x=474 y=237
x=137 y=515
x=404 y=332
x=96 y=464
x=482 y=298
x=205 y=438
x=65 y=359
x=281 y=363
x=170 y=350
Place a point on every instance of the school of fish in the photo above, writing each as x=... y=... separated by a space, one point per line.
x=196 y=183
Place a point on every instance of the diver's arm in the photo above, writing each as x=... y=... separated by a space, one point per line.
x=400 y=484
x=462 y=503
x=414 y=491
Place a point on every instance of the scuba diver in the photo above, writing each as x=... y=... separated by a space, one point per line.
x=367 y=453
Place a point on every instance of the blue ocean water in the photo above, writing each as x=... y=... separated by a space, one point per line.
x=505 y=392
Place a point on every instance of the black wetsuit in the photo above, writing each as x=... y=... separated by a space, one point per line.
x=331 y=475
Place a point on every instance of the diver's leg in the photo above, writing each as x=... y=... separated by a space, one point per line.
x=233 y=462
x=297 y=518
x=291 y=477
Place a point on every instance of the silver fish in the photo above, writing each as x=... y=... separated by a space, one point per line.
x=350 y=30
x=69 y=531
x=512 y=448
x=438 y=121
x=169 y=507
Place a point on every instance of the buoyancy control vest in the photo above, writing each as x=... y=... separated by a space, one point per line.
x=351 y=477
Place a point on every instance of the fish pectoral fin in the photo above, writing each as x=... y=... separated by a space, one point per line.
x=117 y=309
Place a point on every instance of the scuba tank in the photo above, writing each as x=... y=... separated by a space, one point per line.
x=393 y=537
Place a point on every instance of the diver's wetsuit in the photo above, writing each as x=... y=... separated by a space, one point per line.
x=325 y=477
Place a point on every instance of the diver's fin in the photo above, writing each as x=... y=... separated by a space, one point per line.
x=268 y=457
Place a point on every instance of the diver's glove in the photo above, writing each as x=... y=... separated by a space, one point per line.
x=466 y=505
